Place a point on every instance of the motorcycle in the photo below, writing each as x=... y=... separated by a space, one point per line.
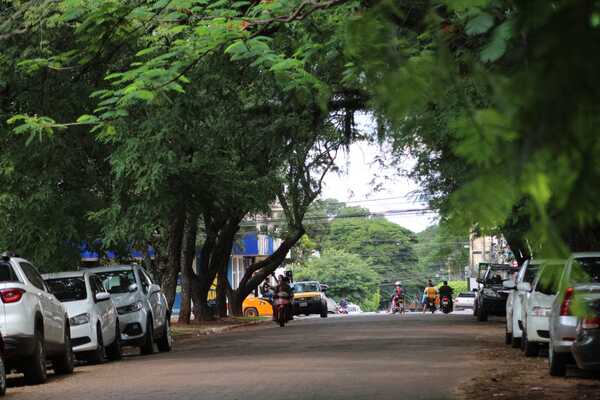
x=431 y=305
x=445 y=305
x=281 y=306
x=342 y=310
x=397 y=306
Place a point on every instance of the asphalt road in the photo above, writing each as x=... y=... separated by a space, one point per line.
x=352 y=357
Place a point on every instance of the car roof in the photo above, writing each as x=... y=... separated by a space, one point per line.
x=67 y=274
x=109 y=268
x=586 y=254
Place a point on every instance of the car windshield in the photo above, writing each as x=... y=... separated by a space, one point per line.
x=68 y=289
x=466 y=295
x=117 y=281
x=306 y=287
x=497 y=276
x=7 y=274
x=531 y=272
x=586 y=270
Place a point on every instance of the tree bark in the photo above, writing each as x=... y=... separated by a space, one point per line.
x=222 y=293
x=173 y=265
x=187 y=272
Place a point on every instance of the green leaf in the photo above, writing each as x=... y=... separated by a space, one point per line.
x=462 y=5
x=496 y=48
x=86 y=118
x=480 y=24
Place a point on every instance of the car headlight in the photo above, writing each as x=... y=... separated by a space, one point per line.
x=540 y=311
x=80 y=319
x=130 y=308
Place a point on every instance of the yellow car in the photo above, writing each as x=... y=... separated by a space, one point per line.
x=257 y=307
x=310 y=299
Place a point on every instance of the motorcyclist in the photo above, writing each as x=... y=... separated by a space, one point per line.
x=447 y=291
x=429 y=295
x=343 y=306
x=398 y=295
x=283 y=287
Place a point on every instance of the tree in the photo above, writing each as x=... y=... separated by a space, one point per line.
x=348 y=276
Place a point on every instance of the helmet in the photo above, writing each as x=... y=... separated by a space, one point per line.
x=398 y=283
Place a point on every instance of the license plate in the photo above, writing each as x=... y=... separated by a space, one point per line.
x=304 y=304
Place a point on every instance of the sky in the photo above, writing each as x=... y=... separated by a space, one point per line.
x=354 y=185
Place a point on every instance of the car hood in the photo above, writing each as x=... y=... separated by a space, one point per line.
x=124 y=299
x=306 y=295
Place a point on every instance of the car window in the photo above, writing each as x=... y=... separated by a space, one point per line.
x=302 y=287
x=68 y=289
x=96 y=285
x=117 y=281
x=145 y=281
x=7 y=273
x=531 y=273
x=32 y=275
x=548 y=280
x=586 y=270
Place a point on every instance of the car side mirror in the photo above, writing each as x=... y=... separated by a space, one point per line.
x=154 y=288
x=524 y=287
x=133 y=287
x=509 y=284
x=102 y=296
x=324 y=288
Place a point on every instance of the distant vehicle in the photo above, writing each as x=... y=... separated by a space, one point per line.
x=34 y=323
x=95 y=332
x=281 y=304
x=309 y=298
x=141 y=306
x=586 y=348
x=517 y=295
x=464 y=300
x=537 y=307
x=445 y=305
x=257 y=307
x=580 y=275
x=2 y=369
x=491 y=295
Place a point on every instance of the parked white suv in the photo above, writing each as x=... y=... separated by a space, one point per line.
x=515 y=301
x=33 y=322
x=93 y=318
x=141 y=306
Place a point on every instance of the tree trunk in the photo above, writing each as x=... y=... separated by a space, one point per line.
x=187 y=272
x=222 y=293
x=173 y=266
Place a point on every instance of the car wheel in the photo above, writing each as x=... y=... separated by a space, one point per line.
x=507 y=335
x=98 y=356
x=114 y=351
x=2 y=376
x=557 y=362
x=251 y=312
x=35 y=368
x=530 y=349
x=65 y=364
x=482 y=313
x=148 y=346
x=324 y=311
x=165 y=343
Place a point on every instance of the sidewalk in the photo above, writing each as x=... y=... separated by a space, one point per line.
x=182 y=332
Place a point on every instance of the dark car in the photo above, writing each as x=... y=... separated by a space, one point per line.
x=491 y=295
x=586 y=347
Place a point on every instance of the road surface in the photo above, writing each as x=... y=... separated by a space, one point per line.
x=352 y=357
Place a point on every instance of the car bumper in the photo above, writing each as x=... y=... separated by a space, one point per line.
x=563 y=333
x=83 y=338
x=586 y=350
x=16 y=347
x=495 y=306
x=537 y=329
x=307 y=307
x=133 y=328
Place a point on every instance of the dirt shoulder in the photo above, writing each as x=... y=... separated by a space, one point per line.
x=504 y=373
x=185 y=333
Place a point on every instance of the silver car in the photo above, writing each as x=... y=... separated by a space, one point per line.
x=580 y=270
x=141 y=306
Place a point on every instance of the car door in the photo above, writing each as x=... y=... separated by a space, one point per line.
x=156 y=299
x=52 y=311
x=105 y=310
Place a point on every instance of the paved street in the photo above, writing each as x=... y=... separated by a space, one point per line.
x=354 y=357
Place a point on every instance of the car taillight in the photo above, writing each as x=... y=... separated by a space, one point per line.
x=565 y=307
x=591 y=323
x=11 y=295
